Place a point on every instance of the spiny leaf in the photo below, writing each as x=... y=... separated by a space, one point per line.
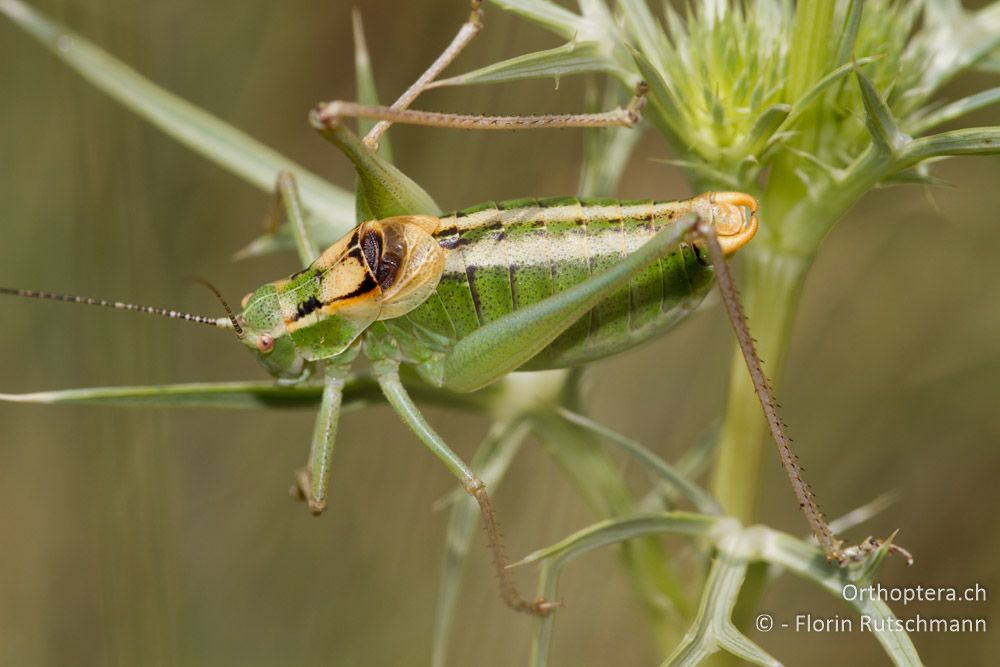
x=643 y=27
x=618 y=530
x=849 y=33
x=764 y=127
x=969 y=141
x=807 y=561
x=237 y=395
x=359 y=390
x=801 y=105
x=576 y=57
x=554 y=558
x=886 y=135
x=957 y=109
x=599 y=481
x=547 y=14
x=662 y=106
x=678 y=482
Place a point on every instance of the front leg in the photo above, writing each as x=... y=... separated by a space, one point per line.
x=313 y=480
x=287 y=200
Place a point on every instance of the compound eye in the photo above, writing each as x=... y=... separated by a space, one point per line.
x=246 y=300
x=265 y=344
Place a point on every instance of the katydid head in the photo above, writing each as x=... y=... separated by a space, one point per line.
x=733 y=215
x=265 y=334
x=380 y=270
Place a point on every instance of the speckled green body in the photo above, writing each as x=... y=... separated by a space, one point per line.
x=502 y=256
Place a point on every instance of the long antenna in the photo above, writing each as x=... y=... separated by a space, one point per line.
x=217 y=322
x=229 y=311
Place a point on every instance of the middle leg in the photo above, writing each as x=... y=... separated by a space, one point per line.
x=387 y=373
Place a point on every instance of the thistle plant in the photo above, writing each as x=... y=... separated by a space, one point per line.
x=806 y=107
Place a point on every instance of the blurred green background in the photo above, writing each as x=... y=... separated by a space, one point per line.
x=167 y=537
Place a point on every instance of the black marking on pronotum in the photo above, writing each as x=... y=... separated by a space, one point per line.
x=307 y=306
x=365 y=286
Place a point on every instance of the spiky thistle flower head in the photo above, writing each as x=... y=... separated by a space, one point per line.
x=800 y=103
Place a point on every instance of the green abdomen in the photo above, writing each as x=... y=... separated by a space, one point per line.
x=503 y=256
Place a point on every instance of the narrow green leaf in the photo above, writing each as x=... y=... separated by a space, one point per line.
x=866 y=512
x=700 y=498
x=968 y=141
x=873 y=564
x=367 y=90
x=643 y=27
x=598 y=479
x=886 y=136
x=359 y=390
x=801 y=105
x=697 y=458
x=383 y=190
x=235 y=395
x=763 y=129
x=735 y=642
x=278 y=241
x=849 y=33
x=807 y=561
x=917 y=176
x=833 y=173
x=662 y=107
x=547 y=14
x=557 y=556
x=957 y=109
x=619 y=530
x=576 y=57
x=204 y=133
